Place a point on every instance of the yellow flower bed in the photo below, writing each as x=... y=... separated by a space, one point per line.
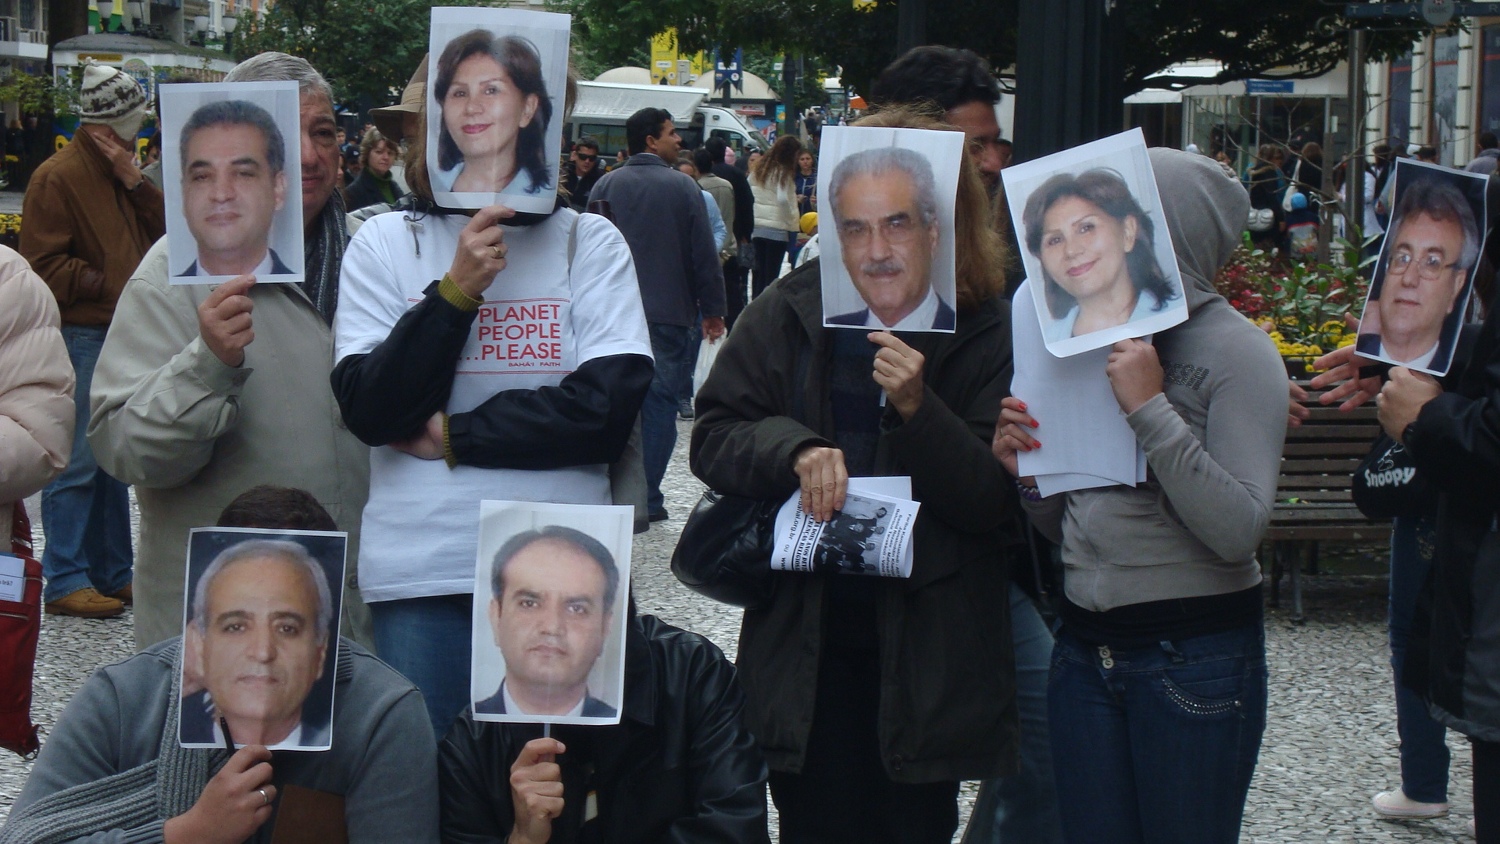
x=10 y=223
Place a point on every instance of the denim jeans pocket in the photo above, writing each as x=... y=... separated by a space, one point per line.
x=1213 y=689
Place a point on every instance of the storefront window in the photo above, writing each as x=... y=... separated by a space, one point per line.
x=1398 y=123
x=1489 y=80
x=1444 y=95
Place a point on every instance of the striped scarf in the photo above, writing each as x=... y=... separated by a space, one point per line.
x=324 y=252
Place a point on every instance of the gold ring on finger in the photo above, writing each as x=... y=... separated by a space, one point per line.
x=495 y=250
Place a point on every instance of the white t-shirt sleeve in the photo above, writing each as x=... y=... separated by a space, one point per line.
x=371 y=299
x=608 y=318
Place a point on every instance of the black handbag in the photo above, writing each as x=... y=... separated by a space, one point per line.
x=1387 y=483
x=724 y=552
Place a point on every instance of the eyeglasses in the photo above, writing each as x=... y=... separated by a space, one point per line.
x=897 y=228
x=583 y=156
x=1429 y=266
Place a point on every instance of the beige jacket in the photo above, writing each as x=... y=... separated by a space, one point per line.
x=36 y=388
x=192 y=433
x=775 y=206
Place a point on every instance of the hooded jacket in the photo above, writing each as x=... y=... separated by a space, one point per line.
x=1212 y=438
x=1455 y=444
x=36 y=387
x=947 y=689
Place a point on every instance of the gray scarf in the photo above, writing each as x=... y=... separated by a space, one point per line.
x=163 y=788
x=323 y=252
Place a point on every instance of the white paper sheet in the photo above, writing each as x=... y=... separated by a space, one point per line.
x=12 y=578
x=1086 y=441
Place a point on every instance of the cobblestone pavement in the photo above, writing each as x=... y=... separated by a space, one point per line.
x=1330 y=744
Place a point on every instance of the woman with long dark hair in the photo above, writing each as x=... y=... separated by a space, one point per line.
x=495 y=112
x=776 y=219
x=1096 y=245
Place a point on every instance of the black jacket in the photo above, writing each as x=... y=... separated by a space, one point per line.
x=744 y=199
x=1455 y=444
x=947 y=700
x=388 y=394
x=365 y=191
x=680 y=767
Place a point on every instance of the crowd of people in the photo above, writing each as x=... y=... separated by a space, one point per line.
x=348 y=402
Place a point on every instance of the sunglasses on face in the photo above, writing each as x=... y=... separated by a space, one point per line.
x=584 y=156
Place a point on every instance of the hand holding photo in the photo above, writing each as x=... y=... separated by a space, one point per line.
x=228 y=171
x=890 y=193
x=260 y=638
x=551 y=591
x=494 y=114
x=1426 y=269
x=1089 y=227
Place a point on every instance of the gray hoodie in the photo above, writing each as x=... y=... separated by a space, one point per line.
x=1212 y=439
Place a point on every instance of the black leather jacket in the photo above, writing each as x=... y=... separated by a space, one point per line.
x=680 y=767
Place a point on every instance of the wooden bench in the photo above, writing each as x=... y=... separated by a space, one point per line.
x=1313 y=502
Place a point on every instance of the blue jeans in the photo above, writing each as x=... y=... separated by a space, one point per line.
x=671 y=346
x=428 y=641
x=1157 y=744
x=85 y=512
x=1023 y=808
x=1424 y=750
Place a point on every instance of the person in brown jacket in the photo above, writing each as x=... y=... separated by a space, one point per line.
x=87 y=219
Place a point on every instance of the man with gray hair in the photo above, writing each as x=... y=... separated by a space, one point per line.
x=258 y=641
x=233 y=184
x=1416 y=305
x=189 y=410
x=884 y=203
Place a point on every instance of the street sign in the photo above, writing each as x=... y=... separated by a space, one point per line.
x=726 y=75
x=1268 y=86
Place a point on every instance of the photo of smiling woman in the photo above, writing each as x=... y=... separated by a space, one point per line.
x=1106 y=267
x=492 y=135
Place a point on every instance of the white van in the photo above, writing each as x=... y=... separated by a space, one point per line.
x=603 y=107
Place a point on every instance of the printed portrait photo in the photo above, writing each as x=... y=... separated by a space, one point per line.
x=260 y=637
x=887 y=257
x=232 y=175
x=1426 y=269
x=850 y=543
x=550 y=592
x=495 y=107
x=1094 y=244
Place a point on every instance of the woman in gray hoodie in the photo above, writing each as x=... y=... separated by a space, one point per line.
x=1157 y=699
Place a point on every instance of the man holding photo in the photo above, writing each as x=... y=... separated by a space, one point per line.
x=262 y=614
x=553 y=603
x=885 y=209
x=1433 y=246
x=233 y=183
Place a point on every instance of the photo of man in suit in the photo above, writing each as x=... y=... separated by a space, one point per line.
x=261 y=618
x=552 y=604
x=885 y=213
x=1416 y=305
x=233 y=184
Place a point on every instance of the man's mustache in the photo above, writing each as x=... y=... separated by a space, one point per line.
x=887 y=267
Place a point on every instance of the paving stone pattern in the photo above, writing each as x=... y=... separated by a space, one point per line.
x=1330 y=744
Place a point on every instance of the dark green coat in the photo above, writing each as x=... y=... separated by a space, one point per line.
x=947 y=700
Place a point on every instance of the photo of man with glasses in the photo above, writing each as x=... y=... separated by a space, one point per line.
x=886 y=217
x=1417 y=298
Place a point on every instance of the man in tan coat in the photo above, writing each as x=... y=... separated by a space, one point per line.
x=204 y=392
x=88 y=217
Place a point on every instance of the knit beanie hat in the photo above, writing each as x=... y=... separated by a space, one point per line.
x=111 y=98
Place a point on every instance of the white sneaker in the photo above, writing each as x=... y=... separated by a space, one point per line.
x=1395 y=804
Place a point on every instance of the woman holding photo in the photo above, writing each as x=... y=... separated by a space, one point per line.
x=1095 y=243
x=495 y=115
x=437 y=376
x=873 y=697
x=1157 y=699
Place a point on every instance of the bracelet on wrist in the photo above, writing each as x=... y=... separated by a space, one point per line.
x=1030 y=493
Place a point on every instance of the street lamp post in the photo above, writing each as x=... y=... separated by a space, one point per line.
x=230 y=22
x=1068 y=74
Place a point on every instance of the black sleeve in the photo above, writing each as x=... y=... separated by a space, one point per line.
x=586 y=419
x=388 y=394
